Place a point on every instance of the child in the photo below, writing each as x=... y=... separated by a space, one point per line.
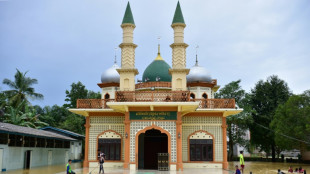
x=237 y=170
x=290 y=170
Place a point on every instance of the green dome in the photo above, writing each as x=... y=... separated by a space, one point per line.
x=158 y=69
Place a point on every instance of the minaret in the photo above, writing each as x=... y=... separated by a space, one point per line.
x=128 y=71
x=178 y=71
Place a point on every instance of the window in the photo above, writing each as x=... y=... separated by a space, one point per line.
x=111 y=148
x=29 y=141
x=4 y=138
x=205 y=96
x=16 y=140
x=107 y=96
x=50 y=143
x=67 y=144
x=40 y=142
x=201 y=150
x=58 y=144
x=192 y=96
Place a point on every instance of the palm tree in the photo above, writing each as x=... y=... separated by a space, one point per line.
x=21 y=89
x=29 y=118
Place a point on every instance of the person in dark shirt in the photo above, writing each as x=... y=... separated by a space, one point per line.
x=237 y=170
x=101 y=161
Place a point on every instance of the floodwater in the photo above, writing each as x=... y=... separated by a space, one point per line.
x=254 y=167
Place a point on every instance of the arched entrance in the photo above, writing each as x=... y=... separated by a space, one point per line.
x=150 y=144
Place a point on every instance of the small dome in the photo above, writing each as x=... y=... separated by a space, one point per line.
x=158 y=70
x=110 y=75
x=198 y=74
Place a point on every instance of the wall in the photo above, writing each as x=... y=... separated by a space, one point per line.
x=73 y=153
x=100 y=124
x=212 y=125
x=199 y=91
x=14 y=156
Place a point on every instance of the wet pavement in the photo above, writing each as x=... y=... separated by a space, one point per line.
x=254 y=167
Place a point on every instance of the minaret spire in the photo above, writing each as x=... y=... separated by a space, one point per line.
x=128 y=18
x=178 y=16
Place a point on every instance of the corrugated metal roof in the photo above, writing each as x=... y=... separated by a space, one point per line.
x=14 y=129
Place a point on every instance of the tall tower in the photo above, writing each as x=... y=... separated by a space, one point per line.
x=178 y=71
x=128 y=71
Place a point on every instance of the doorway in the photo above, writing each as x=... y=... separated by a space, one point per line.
x=27 y=159
x=150 y=144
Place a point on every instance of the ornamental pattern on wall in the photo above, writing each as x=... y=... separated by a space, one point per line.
x=101 y=124
x=212 y=125
x=136 y=126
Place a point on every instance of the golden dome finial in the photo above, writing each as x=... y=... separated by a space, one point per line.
x=158 y=53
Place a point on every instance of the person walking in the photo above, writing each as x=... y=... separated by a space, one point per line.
x=101 y=161
x=241 y=161
x=69 y=170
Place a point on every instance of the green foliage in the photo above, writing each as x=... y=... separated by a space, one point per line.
x=28 y=118
x=74 y=123
x=78 y=91
x=264 y=100
x=21 y=89
x=236 y=124
x=292 y=121
x=93 y=95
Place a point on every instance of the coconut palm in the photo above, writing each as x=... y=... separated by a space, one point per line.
x=21 y=89
x=28 y=118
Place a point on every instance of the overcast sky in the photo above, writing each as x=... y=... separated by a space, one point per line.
x=60 y=42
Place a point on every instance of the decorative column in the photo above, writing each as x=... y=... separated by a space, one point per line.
x=178 y=71
x=224 y=126
x=127 y=141
x=128 y=71
x=179 y=141
x=87 y=126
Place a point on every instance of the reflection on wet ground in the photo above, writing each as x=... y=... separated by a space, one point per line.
x=254 y=167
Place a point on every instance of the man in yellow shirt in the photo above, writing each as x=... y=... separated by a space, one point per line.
x=241 y=161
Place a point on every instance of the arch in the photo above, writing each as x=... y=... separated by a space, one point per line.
x=188 y=143
x=143 y=131
x=106 y=96
x=204 y=95
x=192 y=96
x=119 y=137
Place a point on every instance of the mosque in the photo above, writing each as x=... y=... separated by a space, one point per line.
x=171 y=111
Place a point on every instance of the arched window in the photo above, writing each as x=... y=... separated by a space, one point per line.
x=201 y=146
x=192 y=96
x=205 y=96
x=107 y=96
x=110 y=143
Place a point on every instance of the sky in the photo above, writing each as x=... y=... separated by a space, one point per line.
x=60 y=42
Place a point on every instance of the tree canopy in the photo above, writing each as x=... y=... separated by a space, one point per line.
x=21 y=89
x=264 y=100
x=292 y=123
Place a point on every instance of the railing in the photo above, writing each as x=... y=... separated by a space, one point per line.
x=156 y=96
x=93 y=103
x=152 y=96
x=153 y=84
x=215 y=103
